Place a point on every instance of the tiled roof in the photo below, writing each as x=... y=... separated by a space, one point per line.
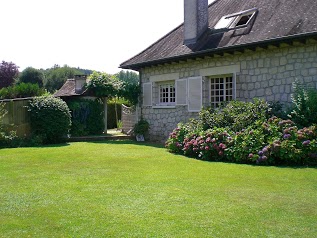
x=68 y=89
x=275 y=20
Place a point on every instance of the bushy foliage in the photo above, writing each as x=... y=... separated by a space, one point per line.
x=130 y=88
x=56 y=76
x=8 y=72
x=104 y=85
x=279 y=110
x=272 y=141
x=87 y=117
x=50 y=119
x=130 y=92
x=32 y=76
x=22 y=90
x=234 y=115
x=304 y=99
x=141 y=127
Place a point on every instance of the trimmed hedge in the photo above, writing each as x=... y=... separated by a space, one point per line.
x=50 y=119
x=22 y=90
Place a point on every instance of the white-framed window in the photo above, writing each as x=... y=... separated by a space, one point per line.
x=167 y=94
x=236 y=20
x=222 y=88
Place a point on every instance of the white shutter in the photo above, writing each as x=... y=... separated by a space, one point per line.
x=147 y=94
x=181 y=91
x=195 y=91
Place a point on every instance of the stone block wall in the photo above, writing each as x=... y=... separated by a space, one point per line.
x=264 y=73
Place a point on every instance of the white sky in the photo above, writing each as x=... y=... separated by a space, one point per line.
x=91 y=34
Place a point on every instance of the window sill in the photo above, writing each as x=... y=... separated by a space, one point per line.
x=164 y=106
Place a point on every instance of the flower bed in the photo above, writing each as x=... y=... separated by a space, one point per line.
x=272 y=141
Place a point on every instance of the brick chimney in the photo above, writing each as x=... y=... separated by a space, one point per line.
x=195 y=20
x=80 y=81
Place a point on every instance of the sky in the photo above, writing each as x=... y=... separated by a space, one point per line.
x=90 y=34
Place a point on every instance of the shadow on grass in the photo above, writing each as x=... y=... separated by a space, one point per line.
x=37 y=146
x=128 y=142
x=264 y=165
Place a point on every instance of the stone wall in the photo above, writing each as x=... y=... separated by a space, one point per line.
x=263 y=73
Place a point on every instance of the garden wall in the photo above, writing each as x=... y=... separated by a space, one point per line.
x=17 y=118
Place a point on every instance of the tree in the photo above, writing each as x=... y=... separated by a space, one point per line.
x=104 y=85
x=32 y=75
x=128 y=77
x=56 y=76
x=130 y=88
x=8 y=72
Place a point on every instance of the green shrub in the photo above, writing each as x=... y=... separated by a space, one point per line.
x=22 y=90
x=235 y=115
x=279 y=110
x=250 y=138
x=87 y=117
x=304 y=99
x=50 y=118
x=95 y=120
x=141 y=127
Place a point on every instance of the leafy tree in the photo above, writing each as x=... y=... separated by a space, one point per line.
x=32 y=75
x=56 y=76
x=104 y=85
x=8 y=72
x=128 y=77
x=130 y=88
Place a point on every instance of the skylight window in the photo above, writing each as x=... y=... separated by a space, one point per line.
x=236 y=20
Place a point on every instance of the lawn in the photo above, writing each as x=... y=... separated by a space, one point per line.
x=124 y=189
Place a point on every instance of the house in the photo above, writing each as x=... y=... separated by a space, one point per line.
x=226 y=50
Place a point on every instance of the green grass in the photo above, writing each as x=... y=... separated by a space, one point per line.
x=123 y=189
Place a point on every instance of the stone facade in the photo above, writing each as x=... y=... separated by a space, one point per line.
x=263 y=73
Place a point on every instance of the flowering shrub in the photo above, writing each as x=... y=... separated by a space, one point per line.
x=295 y=146
x=209 y=145
x=176 y=139
x=272 y=142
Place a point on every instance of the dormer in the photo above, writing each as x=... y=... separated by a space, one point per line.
x=236 y=20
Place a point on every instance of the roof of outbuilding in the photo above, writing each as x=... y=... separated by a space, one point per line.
x=275 y=20
x=68 y=90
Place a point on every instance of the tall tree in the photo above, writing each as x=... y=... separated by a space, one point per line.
x=8 y=72
x=128 y=77
x=56 y=76
x=130 y=88
x=32 y=75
